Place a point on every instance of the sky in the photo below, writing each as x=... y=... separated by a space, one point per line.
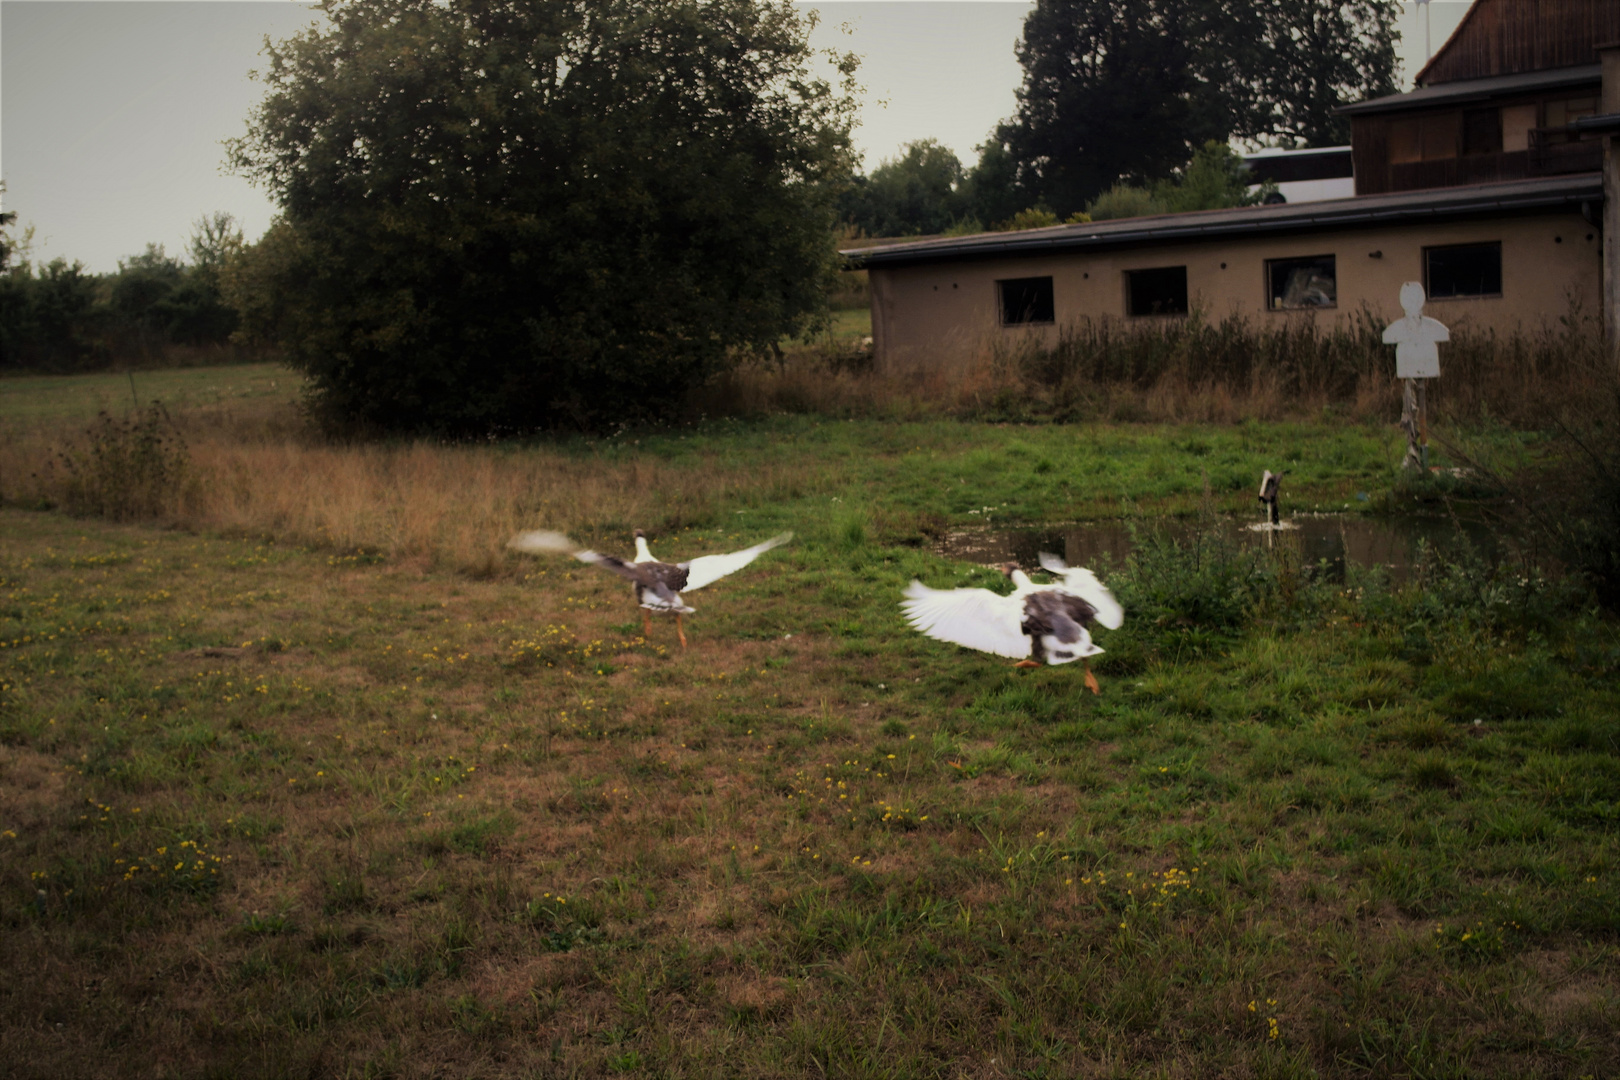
x=112 y=112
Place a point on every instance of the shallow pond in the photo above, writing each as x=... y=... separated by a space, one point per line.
x=1337 y=538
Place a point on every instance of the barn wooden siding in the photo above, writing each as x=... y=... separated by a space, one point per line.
x=1506 y=37
x=1376 y=174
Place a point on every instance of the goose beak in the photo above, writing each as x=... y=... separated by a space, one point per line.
x=1027 y=664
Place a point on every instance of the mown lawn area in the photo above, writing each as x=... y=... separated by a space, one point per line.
x=273 y=807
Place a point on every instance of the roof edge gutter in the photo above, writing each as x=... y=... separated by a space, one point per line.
x=1572 y=197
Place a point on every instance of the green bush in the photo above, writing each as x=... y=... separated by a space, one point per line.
x=508 y=215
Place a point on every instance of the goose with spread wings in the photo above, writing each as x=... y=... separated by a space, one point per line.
x=1036 y=624
x=658 y=585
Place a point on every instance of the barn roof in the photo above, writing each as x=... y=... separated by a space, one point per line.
x=1507 y=37
x=1463 y=92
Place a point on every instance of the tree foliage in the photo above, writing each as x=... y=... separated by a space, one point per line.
x=56 y=317
x=525 y=213
x=917 y=193
x=1122 y=91
x=1214 y=179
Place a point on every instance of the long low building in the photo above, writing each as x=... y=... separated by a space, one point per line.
x=1486 y=183
x=1494 y=256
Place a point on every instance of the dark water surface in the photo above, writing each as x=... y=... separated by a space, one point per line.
x=1337 y=538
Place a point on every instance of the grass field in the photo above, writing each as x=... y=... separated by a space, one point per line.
x=33 y=400
x=281 y=801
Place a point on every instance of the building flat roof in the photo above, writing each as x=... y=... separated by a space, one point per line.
x=1362 y=211
x=1467 y=90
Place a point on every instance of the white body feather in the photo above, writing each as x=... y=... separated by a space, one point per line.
x=976 y=618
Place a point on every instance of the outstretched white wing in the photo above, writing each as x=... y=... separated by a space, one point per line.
x=1084 y=584
x=707 y=569
x=976 y=618
x=542 y=541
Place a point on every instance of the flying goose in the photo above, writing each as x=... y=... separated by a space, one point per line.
x=658 y=585
x=1036 y=624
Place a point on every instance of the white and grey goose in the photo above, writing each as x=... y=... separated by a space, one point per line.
x=658 y=585
x=1036 y=624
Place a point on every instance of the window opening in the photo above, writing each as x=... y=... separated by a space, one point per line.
x=1482 y=131
x=1160 y=291
x=1463 y=270
x=1302 y=284
x=1424 y=138
x=1568 y=110
x=1026 y=300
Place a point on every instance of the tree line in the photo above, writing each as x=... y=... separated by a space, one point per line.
x=1126 y=104
x=55 y=316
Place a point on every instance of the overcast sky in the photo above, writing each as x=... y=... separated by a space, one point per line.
x=112 y=111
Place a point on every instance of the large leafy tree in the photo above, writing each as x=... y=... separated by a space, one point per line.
x=1304 y=60
x=1123 y=91
x=1111 y=92
x=512 y=214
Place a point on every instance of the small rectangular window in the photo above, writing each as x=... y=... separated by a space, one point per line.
x=1424 y=138
x=1482 y=131
x=1568 y=110
x=1302 y=284
x=1441 y=134
x=1463 y=270
x=1026 y=300
x=1405 y=140
x=1162 y=291
x=1517 y=121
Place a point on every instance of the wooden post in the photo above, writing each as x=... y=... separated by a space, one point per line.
x=1423 y=424
x=1409 y=424
x=1610 y=276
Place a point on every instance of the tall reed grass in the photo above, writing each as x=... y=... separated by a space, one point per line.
x=1193 y=369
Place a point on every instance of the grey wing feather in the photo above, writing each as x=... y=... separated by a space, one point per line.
x=707 y=569
x=1084 y=584
x=1056 y=612
x=672 y=575
x=639 y=574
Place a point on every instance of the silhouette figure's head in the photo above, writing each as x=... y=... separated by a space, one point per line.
x=1412 y=298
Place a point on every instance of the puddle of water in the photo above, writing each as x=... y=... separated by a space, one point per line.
x=1388 y=542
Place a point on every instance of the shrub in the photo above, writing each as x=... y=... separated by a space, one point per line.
x=125 y=470
x=514 y=216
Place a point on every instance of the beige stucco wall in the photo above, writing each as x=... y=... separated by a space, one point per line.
x=948 y=312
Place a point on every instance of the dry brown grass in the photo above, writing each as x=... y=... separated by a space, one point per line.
x=262 y=472
x=1189 y=371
